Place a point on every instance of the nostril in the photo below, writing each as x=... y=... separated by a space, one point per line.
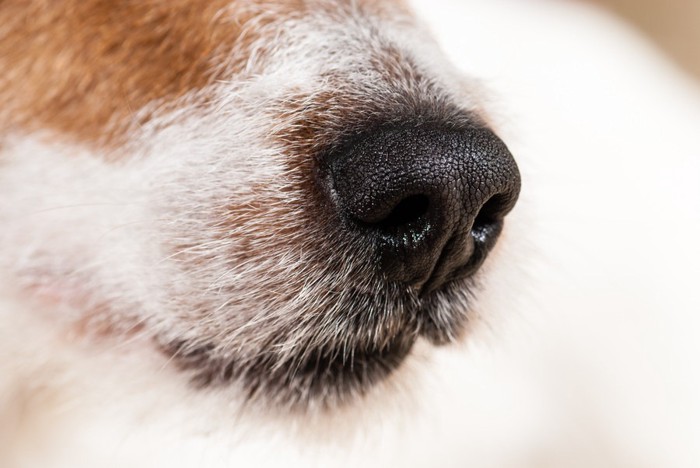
x=491 y=211
x=490 y=216
x=407 y=212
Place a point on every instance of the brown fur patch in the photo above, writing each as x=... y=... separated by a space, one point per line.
x=83 y=68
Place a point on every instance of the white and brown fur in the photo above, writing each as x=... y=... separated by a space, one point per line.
x=176 y=290
x=210 y=151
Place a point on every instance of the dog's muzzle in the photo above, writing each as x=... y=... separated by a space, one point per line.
x=429 y=200
x=416 y=209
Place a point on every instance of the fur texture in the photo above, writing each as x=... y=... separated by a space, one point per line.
x=176 y=292
x=257 y=283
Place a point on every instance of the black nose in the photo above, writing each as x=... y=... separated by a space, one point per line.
x=430 y=200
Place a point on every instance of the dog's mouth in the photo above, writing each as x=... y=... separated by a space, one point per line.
x=363 y=352
x=320 y=377
x=336 y=375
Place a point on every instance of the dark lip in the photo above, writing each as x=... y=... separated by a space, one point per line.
x=327 y=376
x=386 y=359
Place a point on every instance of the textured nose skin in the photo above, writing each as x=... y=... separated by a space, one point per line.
x=430 y=200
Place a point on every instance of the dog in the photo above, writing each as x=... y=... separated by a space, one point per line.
x=293 y=233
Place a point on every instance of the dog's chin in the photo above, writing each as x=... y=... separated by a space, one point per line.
x=337 y=372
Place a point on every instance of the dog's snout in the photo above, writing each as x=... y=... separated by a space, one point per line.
x=430 y=199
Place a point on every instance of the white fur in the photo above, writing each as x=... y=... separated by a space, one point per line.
x=590 y=359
